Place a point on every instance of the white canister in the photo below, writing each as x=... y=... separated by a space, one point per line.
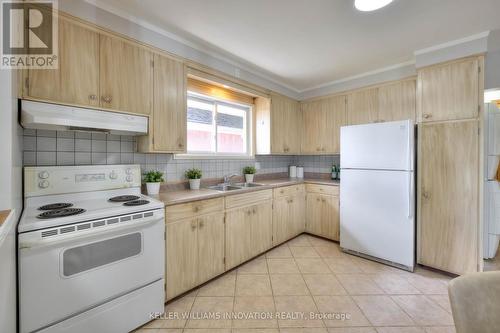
x=293 y=171
x=300 y=172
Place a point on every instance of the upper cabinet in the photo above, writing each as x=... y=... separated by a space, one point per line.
x=449 y=91
x=278 y=125
x=397 y=101
x=125 y=76
x=97 y=70
x=322 y=120
x=168 y=123
x=76 y=81
x=363 y=106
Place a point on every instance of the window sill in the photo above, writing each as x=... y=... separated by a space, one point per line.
x=212 y=157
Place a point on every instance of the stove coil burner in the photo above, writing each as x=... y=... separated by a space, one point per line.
x=124 y=198
x=60 y=213
x=59 y=205
x=136 y=203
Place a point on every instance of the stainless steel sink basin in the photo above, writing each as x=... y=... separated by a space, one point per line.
x=243 y=185
x=224 y=188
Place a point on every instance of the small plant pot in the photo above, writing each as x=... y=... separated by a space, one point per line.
x=249 y=177
x=194 y=184
x=153 y=188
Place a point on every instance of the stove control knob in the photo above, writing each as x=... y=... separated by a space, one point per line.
x=128 y=171
x=129 y=178
x=113 y=175
x=43 y=175
x=43 y=184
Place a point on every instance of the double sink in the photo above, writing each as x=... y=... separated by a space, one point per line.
x=233 y=187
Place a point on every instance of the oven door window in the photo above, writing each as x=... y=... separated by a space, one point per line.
x=89 y=256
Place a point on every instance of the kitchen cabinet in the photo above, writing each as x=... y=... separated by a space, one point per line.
x=278 y=125
x=322 y=120
x=363 y=106
x=450 y=91
x=168 y=123
x=288 y=213
x=448 y=196
x=125 y=76
x=397 y=101
x=322 y=213
x=76 y=81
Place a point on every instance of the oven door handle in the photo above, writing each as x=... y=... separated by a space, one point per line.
x=26 y=242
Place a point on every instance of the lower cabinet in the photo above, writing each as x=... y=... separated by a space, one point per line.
x=194 y=252
x=248 y=232
x=322 y=215
x=288 y=217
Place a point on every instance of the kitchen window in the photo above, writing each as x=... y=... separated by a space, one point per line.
x=217 y=128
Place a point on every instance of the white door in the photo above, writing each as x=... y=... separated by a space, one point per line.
x=381 y=146
x=376 y=214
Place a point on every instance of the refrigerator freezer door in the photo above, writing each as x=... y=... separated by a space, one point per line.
x=381 y=146
x=377 y=214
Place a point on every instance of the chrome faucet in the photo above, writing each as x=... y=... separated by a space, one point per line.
x=227 y=178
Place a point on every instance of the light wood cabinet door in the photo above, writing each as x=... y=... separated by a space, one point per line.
x=238 y=236
x=181 y=256
x=322 y=215
x=333 y=116
x=76 y=81
x=311 y=123
x=297 y=208
x=397 y=101
x=448 y=196
x=169 y=120
x=363 y=106
x=261 y=227
x=125 y=76
x=282 y=225
x=210 y=246
x=449 y=91
x=286 y=125
x=314 y=211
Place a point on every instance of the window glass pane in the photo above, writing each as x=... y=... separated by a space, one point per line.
x=231 y=129
x=200 y=126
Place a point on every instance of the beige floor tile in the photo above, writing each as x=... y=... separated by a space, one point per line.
x=442 y=300
x=368 y=266
x=282 y=251
x=282 y=266
x=206 y=309
x=440 y=329
x=329 y=251
x=207 y=330
x=303 y=252
x=255 y=330
x=347 y=312
x=324 y=284
x=222 y=286
x=302 y=305
x=428 y=282
x=253 y=285
x=311 y=266
x=301 y=240
x=288 y=284
x=176 y=314
x=318 y=241
x=400 y=330
x=382 y=311
x=394 y=284
x=250 y=310
x=158 y=330
x=256 y=266
x=352 y=330
x=359 y=284
x=423 y=311
x=303 y=330
x=342 y=265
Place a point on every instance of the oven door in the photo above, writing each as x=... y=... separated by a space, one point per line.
x=65 y=277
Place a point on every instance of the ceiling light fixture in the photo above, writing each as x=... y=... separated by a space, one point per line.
x=370 y=5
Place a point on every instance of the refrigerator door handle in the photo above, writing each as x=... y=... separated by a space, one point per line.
x=410 y=196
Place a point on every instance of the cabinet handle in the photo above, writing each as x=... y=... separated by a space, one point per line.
x=196 y=209
x=193 y=224
x=92 y=97
x=425 y=194
x=180 y=145
x=322 y=200
x=253 y=211
x=106 y=99
x=202 y=224
x=317 y=199
x=427 y=116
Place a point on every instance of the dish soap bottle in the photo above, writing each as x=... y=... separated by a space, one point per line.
x=334 y=172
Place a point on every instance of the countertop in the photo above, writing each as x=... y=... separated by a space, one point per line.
x=176 y=197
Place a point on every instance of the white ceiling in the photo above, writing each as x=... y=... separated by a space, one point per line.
x=307 y=43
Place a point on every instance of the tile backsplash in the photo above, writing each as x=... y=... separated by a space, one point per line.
x=50 y=148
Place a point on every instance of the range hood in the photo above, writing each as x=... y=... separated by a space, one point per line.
x=47 y=116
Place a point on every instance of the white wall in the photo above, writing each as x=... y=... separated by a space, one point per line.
x=10 y=197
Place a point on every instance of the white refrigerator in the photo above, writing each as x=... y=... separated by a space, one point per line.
x=377 y=192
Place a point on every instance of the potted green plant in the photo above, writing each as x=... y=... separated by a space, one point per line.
x=249 y=172
x=194 y=176
x=153 y=179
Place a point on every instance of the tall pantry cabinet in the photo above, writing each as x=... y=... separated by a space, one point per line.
x=449 y=106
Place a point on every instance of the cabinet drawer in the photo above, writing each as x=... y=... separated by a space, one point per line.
x=288 y=191
x=322 y=189
x=181 y=211
x=247 y=199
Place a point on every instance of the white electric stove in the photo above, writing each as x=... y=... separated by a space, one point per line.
x=91 y=250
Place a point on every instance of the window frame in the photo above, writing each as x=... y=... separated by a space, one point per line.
x=247 y=108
